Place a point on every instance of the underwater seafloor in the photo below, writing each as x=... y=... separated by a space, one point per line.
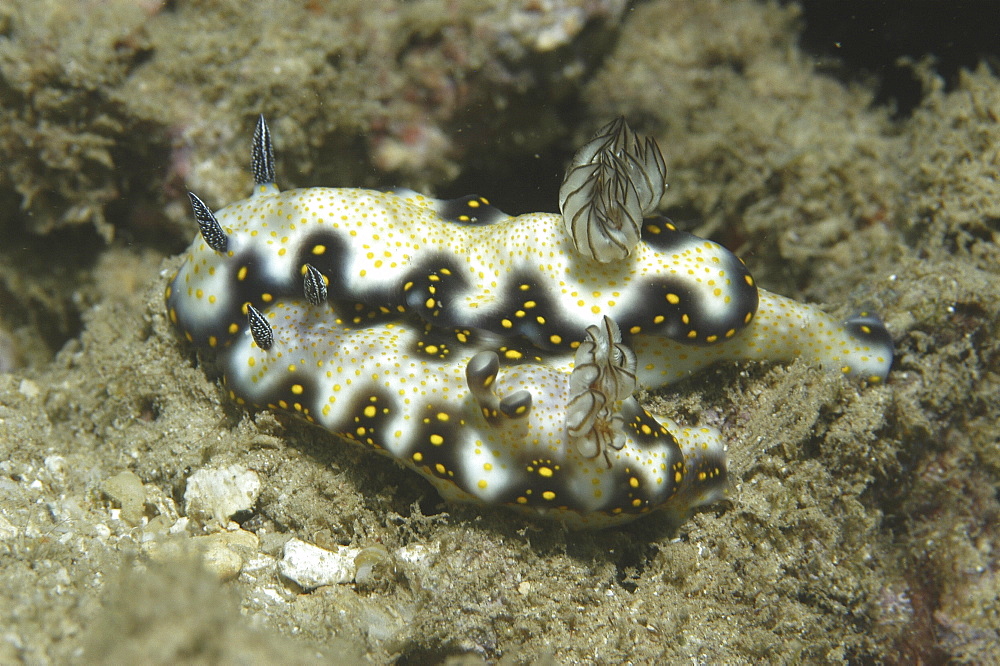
x=862 y=525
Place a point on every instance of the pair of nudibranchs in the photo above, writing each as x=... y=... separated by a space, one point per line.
x=497 y=356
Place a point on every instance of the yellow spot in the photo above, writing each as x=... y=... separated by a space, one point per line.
x=635 y=329
x=212 y=341
x=431 y=349
x=506 y=323
x=429 y=303
x=441 y=469
x=545 y=471
x=549 y=495
x=673 y=299
x=437 y=440
x=555 y=339
x=442 y=416
x=242 y=273
x=370 y=411
x=482 y=484
x=513 y=354
x=418 y=457
x=297 y=389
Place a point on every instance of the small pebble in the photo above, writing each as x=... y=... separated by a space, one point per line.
x=218 y=494
x=225 y=553
x=125 y=489
x=310 y=566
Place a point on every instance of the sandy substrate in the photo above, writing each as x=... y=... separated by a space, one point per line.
x=863 y=521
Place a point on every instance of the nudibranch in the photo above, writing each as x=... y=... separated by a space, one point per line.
x=497 y=356
x=455 y=264
x=477 y=429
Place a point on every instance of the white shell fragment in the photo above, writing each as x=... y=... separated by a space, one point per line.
x=310 y=566
x=218 y=494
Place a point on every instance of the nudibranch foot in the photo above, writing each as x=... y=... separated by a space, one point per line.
x=782 y=330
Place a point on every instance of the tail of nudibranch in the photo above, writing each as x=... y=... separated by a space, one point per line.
x=615 y=180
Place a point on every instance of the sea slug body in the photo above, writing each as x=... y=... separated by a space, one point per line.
x=478 y=429
x=497 y=356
